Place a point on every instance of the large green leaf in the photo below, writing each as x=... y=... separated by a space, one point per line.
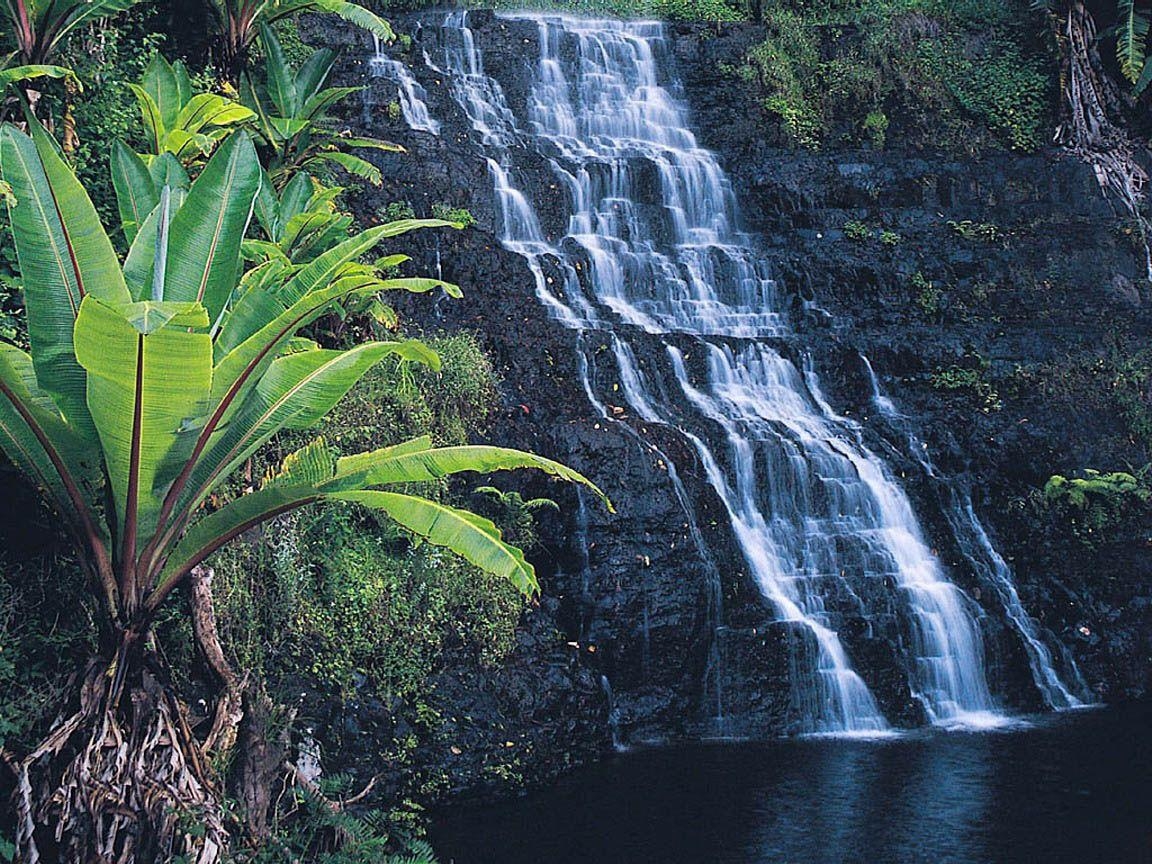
x=294 y=392
x=294 y=199
x=139 y=266
x=136 y=192
x=207 y=110
x=264 y=334
x=316 y=104
x=1132 y=38
x=64 y=254
x=62 y=17
x=151 y=117
x=312 y=75
x=162 y=86
x=166 y=170
x=470 y=536
x=37 y=440
x=354 y=165
x=311 y=465
x=149 y=377
x=268 y=207
x=213 y=531
x=14 y=74
x=281 y=82
x=357 y=15
x=204 y=250
x=324 y=268
x=383 y=469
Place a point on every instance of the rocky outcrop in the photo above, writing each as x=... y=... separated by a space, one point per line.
x=1016 y=270
x=983 y=291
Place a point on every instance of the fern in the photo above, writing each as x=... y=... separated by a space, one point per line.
x=418 y=852
x=1132 y=39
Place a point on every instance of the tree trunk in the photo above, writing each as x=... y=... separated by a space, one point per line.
x=1090 y=102
x=123 y=779
x=69 y=140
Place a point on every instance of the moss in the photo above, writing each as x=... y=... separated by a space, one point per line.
x=970 y=382
x=343 y=601
x=399 y=400
x=337 y=593
x=966 y=75
x=1099 y=507
x=670 y=10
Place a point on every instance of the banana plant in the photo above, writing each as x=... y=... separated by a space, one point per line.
x=40 y=26
x=242 y=19
x=177 y=120
x=299 y=223
x=290 y=108
x=1132 y=28
x=164 y=374
x=149 y=384
x=14 y=74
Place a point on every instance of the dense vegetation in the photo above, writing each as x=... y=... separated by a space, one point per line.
x=343 y=603
x=955 y=75
x=140 y=389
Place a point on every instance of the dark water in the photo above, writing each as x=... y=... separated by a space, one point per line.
x=1070 y=788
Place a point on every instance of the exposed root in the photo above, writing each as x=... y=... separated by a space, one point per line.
x=229 y=706
x=133 y=788
x=123 y=780
x=1091 y=100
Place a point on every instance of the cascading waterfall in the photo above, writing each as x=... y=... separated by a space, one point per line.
x=981 y=554
x=652 y=247
x=413 y=97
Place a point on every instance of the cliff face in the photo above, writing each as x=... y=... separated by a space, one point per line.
x=1003 y=303
x=997 y=298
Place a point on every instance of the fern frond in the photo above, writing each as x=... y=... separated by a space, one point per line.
x=1132 y=39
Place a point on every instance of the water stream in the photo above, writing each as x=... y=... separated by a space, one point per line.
x=652 y=253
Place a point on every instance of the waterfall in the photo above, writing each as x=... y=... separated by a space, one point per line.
x=413 y=97
x=977 y=548
x=652 y=253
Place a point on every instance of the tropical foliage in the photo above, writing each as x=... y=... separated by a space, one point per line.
x=40 y=26
x=290 y=107
x=242 y=20
x=11 y=74
x=178 y=120
x=151 y=381
x=1128 y=24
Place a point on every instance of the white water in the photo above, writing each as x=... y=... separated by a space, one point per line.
x=413 y=96
x=652 y=246
x=990 y=566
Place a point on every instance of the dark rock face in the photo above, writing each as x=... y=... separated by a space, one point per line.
x=1015 y=267
x=1008 y=266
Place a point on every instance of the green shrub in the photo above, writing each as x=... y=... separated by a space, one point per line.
x=398 y=400
x=346 y=594
x=857 y=231
x=972 y=380
x=397 y=210
x=876 y=128
x=929 y=298
x=1099 y=506
x=985 y=232
x=670 y=10
x=1131 y=388
x=964 y=75
x=460 y=215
